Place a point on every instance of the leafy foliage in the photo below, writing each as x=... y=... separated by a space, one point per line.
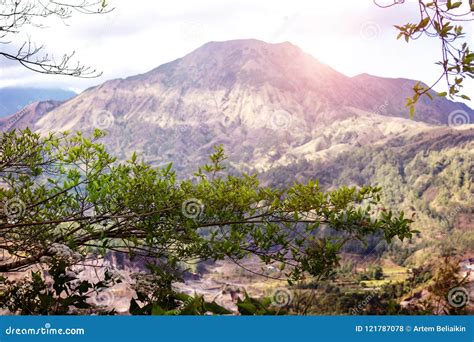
x=64 y=197
x=73 y=193
x=443 y=20
x=254 y=307
x=64 y=294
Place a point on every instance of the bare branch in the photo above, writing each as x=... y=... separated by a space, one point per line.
x=16 y=15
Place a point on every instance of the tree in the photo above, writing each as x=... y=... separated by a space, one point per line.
x=17 y=15
x=65 y=192
x=442 y=20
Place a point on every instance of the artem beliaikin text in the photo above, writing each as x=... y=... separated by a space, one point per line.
x=439 y=328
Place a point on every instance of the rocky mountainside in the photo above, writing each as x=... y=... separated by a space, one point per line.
x=268 y=104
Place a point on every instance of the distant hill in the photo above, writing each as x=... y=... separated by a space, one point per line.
x=14 y=99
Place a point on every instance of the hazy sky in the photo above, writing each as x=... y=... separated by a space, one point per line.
x=352 y=36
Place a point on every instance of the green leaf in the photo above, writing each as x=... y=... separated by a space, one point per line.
x=157 y=310
x=246 y=308
x=216 y=309
x=456 y=5
x=424 y=22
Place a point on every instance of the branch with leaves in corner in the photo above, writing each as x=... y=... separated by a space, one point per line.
x=18 y=15
x=442 y=20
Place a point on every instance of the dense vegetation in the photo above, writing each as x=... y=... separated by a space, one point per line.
x=432 y=181
x=66 y=200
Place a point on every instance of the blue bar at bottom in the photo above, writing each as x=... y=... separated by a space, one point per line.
x=238 y=329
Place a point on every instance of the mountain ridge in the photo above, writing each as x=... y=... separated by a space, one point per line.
x=269 y=104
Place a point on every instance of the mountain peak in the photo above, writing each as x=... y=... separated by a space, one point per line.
x=249 y=63
x=245 y=50
x=249 y=84
x=243 y=44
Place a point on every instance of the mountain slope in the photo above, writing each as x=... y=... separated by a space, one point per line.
x=389 y=96
x=238 y=79
x=269 y=104
x=27 y=116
